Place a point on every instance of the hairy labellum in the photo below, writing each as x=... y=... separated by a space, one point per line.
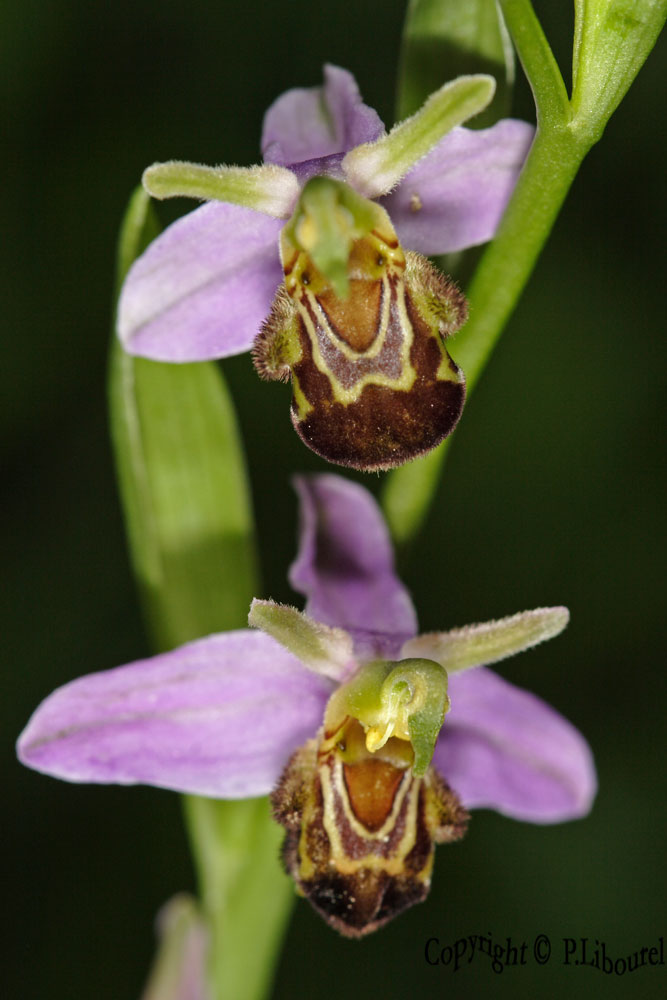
x=373 y=385
x=361 y=828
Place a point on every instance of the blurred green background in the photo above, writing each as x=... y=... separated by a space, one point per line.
x=554 y=493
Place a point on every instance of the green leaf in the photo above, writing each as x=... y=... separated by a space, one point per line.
x=612 y=39
x=189 y=521
x=185 y=496
x=443 y=39
x=183 y=482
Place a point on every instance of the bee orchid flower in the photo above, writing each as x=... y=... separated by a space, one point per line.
x=373 y=741
x=314 y=259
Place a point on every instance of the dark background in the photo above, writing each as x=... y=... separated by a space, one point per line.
x=554 y=493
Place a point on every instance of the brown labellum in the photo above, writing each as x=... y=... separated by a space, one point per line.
x=373 y=385
x=361 y=829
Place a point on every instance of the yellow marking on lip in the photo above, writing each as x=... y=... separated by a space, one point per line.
x=349 y=352
x=344 y=864
x=357 y=319
x=408 y=374
x=302 y=404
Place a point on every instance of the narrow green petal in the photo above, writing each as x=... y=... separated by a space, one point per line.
x=269 y=189
x=489 y=642
x=325 y=650
x=376 y=167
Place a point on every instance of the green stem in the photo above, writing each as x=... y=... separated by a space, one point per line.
x=499 y=280
x=552 y=164
x=246 y=897
x=538 y=62
x=551 y=167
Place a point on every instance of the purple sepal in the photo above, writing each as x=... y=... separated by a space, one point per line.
x=345 y=566
x=455 y=197
x=314 y=122
x=503 y=748
x=217 y=717
x=203 y=288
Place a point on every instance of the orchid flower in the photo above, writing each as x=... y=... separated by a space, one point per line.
x=302 y=259
x=339 y=713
